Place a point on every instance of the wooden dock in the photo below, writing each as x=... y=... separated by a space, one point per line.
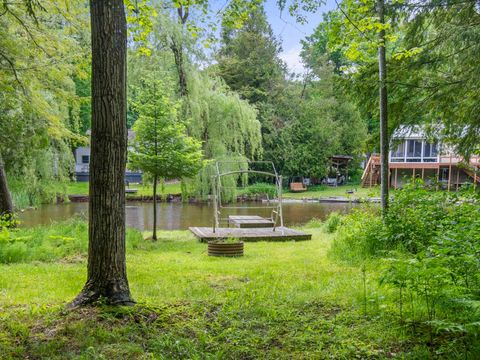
x=249 y=221
x=206 y=234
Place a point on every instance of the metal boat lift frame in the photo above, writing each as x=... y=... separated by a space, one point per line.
x=277 y=212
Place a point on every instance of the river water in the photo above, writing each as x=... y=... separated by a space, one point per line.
x=179 y=216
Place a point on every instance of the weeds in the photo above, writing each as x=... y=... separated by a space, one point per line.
x=429 y=244
x=50 y=243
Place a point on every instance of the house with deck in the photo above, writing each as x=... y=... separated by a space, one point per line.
x=413 y=154
x=82 y=163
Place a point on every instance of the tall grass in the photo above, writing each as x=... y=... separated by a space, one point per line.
x=428 y=250
x=50 y=242
x=33 y=192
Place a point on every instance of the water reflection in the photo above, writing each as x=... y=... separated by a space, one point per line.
x=174 y=216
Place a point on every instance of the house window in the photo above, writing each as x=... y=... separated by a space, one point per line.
x=431 y=150
x=398 y=155
x=414 y=151
x=85 y=159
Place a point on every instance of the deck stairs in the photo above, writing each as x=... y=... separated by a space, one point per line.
x=471 y=172
x=371 y=174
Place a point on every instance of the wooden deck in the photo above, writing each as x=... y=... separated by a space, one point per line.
x=205 y=234
x=249 y=221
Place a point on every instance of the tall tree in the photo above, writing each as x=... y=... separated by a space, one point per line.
x=249 y=60
x=161 y=147
x=384 y=142
x=107 y=274
x=38 y=105
x=249 y=63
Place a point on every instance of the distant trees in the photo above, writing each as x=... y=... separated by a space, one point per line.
x=249 y=62
x=39 y=56
x=430 y=49
x=248 y=59
x=226 y=125
x=301 y=126
x=161 y=147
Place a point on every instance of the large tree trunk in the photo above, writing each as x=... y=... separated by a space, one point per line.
x=6 y=205
x=177 y=50
x=107 y=275
x=384 y=143
x=155 y=181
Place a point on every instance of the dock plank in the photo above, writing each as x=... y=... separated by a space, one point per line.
x=205 y=234
x=250 y=221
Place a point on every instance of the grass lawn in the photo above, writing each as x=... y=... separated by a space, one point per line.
x=323 y=191
x=81 y=188
x=282 y=300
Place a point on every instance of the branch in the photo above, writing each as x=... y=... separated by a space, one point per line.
x=351 y=22
x=14 y=70
x=22 y=23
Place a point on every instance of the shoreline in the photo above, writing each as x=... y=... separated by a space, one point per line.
x=178 y=198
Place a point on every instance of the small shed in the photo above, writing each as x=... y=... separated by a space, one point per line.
x=339 y=168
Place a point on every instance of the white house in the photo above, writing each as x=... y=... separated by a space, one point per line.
x=82 y=163
x=412 y=154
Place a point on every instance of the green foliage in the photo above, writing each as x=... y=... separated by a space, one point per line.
x=333 y=221
x=431 y=241
x=227 y=124
x=314 y=224
x=325 y=126
x=161 y=146
x=435 y=77
x=248 y=60
x=229 y=240
x=51 y=243
x=418 y=217
x=8 y=221
x=318 y=124
x=41 y=52
x=261 y=189
x=359 y=237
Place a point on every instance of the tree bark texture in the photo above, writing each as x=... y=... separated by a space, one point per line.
x=177 y=50
x=384 y=143
x=6 y=204
x=107 y=275
x=155 y=182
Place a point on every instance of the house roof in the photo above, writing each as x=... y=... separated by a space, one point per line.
x=416 y=132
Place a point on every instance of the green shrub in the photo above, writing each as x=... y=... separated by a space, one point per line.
x=417 y=218
x=333 y=221
x=261 y=189
x=359 y=237
x=431 y=240
x=27 y=193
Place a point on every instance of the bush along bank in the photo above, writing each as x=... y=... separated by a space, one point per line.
x=429 y=248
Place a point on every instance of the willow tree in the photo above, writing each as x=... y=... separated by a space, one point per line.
x=107 y=274
x=226 y=124
x=38 y=105
x=161 y=147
